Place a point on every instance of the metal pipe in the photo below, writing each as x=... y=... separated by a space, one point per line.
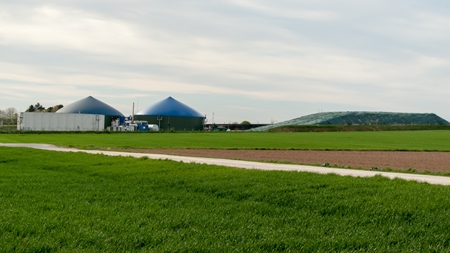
x=132 y=115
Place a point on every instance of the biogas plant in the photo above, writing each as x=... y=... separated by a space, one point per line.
x=90 y=114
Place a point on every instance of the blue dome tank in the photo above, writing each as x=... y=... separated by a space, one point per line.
x=90 y=105
x=170 y=107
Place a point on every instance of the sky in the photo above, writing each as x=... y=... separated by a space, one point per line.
x=263 y=61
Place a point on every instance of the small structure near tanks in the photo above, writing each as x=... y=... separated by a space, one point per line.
x=138 y=125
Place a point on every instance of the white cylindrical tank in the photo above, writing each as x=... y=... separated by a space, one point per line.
x=153 y=127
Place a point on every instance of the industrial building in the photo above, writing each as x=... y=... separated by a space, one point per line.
x=90 y=105
x=170 y=114
x=88 y=114
x=360 y=118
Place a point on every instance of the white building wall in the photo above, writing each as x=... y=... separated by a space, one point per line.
x=40 y=121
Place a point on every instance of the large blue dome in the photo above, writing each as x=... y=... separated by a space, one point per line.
x=170 y=107
x=90 y=105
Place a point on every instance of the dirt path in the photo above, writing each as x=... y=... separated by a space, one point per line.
x=442 y=180
x=420 y=161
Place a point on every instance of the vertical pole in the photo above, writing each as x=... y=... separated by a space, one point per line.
x=132 y=115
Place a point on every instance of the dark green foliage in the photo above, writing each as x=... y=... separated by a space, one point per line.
x=8 y=129
x=77 y=202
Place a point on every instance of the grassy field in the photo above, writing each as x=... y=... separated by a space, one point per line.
x=431 y=140
x=96 y=203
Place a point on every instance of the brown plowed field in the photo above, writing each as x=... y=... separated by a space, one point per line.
x=420 y=161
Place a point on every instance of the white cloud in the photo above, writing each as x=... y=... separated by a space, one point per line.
x=422 y=26
x=277 y=9
x=308 y=52
x=51 y=28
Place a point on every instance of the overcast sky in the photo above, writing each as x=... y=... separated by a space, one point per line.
x=259 y=61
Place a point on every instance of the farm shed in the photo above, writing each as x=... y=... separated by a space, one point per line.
x=88 y=114
x=172 y=114
x=44 y=121
x=361 y=118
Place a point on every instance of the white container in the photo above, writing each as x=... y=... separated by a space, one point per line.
x=153 y=127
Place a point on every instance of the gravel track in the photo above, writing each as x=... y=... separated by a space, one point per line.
x=399 y=160
x=248 y=164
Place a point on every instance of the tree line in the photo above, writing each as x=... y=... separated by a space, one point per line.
x=40 y=108
x=9 y=116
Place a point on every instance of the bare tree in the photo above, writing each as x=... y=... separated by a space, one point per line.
x=8 y=116
x=1 y=118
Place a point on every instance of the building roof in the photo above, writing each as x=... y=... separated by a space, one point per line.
x=170 y=107
x=361 y=118
x=90 y=105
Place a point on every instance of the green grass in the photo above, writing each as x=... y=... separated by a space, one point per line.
x=431 y=140
x=96 y=203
